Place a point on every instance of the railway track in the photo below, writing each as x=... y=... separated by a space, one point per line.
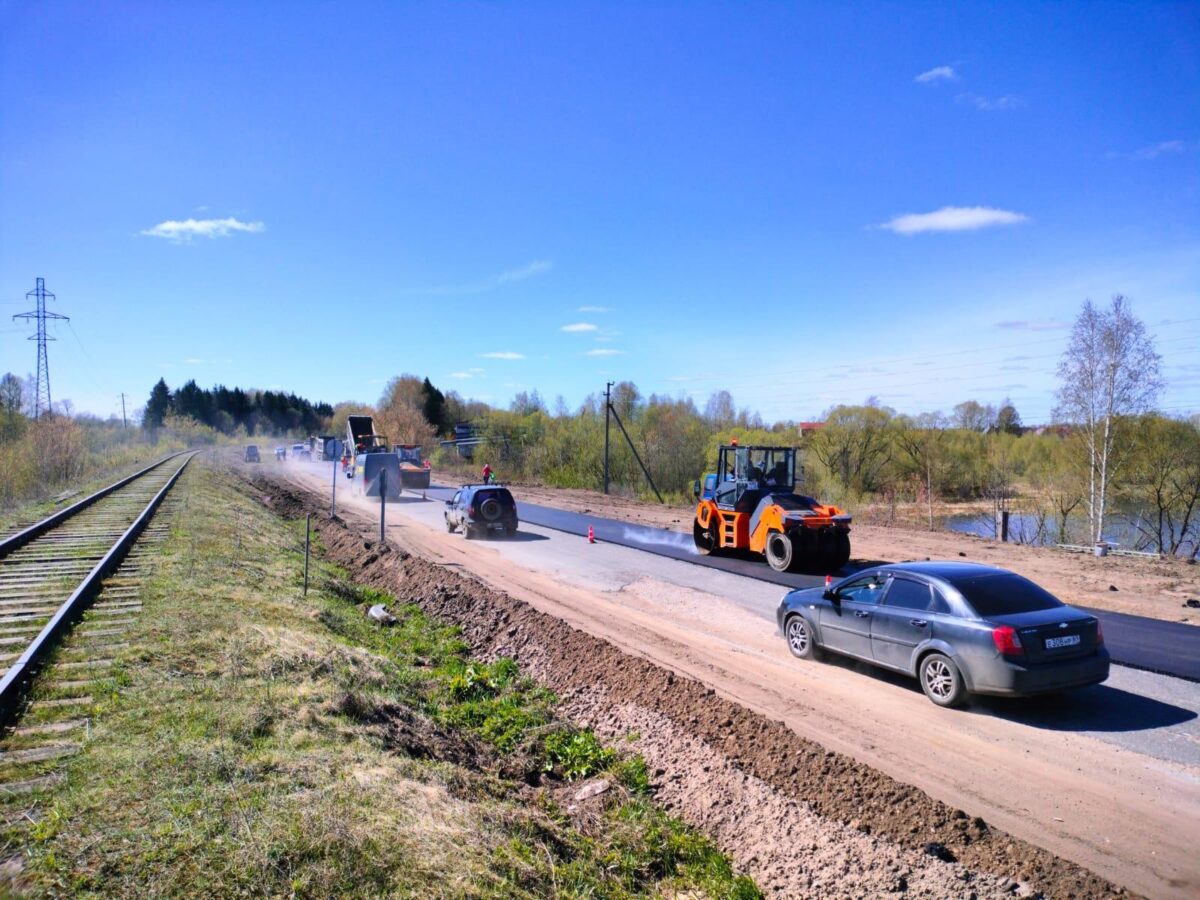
x=69 y=589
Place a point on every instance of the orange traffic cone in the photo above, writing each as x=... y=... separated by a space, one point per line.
x=591 y=535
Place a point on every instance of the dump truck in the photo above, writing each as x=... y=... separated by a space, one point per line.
x=326 y=447
x=361 y=436
x=750 y=504
x=412 y=469
x=377 y=474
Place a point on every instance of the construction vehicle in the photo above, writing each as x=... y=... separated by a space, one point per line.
x=750 y=503
x=412 y=470
x=361 y=436
x=377 y=474
x=325 y=447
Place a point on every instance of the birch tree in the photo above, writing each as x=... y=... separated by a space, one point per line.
x=924 y=442
x=1109 y=370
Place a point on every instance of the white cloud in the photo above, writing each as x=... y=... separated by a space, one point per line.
x=1031 y=325
x=1154 y=151
x=182 y=232
x=604 y=351
x=537 y=267
x=580 y=328
x=593 y=309
x=533 y=269
x=990 y=104
x=475 y=370
x=459 y=375
x=936 y=74
x=502 y=354
x=952 y=218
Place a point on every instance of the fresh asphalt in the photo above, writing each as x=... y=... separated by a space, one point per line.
x=1171 y=648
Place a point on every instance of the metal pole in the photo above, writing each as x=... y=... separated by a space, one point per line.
x=382 y=503
x=607 y=407
x=333 y=498
x=307 y=535
x=124 y=421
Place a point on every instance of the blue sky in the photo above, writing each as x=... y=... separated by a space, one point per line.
x=805 y=204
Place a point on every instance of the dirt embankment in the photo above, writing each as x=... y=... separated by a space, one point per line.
x=804 y=820
x=1159 y=588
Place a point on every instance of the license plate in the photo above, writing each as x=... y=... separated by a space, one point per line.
x=1067 y=640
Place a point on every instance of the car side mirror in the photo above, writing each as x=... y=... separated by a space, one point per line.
x=696 y=488
x=449 y=502
x=831 y=594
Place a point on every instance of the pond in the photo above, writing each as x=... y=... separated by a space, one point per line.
x=1121 y=529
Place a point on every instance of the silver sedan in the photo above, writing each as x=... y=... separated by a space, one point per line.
x=959 y=628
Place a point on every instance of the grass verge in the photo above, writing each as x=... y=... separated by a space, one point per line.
x=256 y=741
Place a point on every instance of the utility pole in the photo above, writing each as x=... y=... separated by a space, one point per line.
x=607 y=407
x=124 y=421
x=41 y=396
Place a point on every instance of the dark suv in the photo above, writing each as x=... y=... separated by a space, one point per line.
x=477 y=508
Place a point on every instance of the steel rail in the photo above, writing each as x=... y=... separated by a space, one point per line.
x=16 y=680
x=36 y=530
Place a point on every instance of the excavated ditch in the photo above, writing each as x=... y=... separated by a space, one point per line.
x=802 y=819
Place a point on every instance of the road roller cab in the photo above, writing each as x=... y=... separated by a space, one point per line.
x=750 y=503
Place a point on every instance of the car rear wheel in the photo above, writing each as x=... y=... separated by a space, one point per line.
x=941 y=681
x=510 y=530
x=468 y=532
x=800 y=639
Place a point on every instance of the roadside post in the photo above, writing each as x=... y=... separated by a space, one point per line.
x=333 y=496
x=382 y=503
x=307 y=542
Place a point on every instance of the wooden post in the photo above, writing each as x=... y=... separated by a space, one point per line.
x=307 y=542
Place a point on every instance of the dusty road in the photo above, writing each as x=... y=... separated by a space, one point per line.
x=1108 y=777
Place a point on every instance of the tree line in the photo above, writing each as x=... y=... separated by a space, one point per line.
x=234 y=410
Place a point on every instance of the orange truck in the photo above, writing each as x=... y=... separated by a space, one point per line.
x=750 y=504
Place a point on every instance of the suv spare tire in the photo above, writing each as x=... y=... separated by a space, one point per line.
x=490 y=509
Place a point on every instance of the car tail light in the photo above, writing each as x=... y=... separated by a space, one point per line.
x=1099 y=634
x=1006 y=640
x=471 y=511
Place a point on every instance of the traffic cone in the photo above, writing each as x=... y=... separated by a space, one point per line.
x=828 y=581
x=591 y=535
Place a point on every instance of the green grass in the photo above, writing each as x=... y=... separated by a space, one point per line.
x=255 y=741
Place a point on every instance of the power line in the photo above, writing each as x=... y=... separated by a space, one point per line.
x=42 y=388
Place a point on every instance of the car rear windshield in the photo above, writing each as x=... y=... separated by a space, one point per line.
x=1005 y=594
